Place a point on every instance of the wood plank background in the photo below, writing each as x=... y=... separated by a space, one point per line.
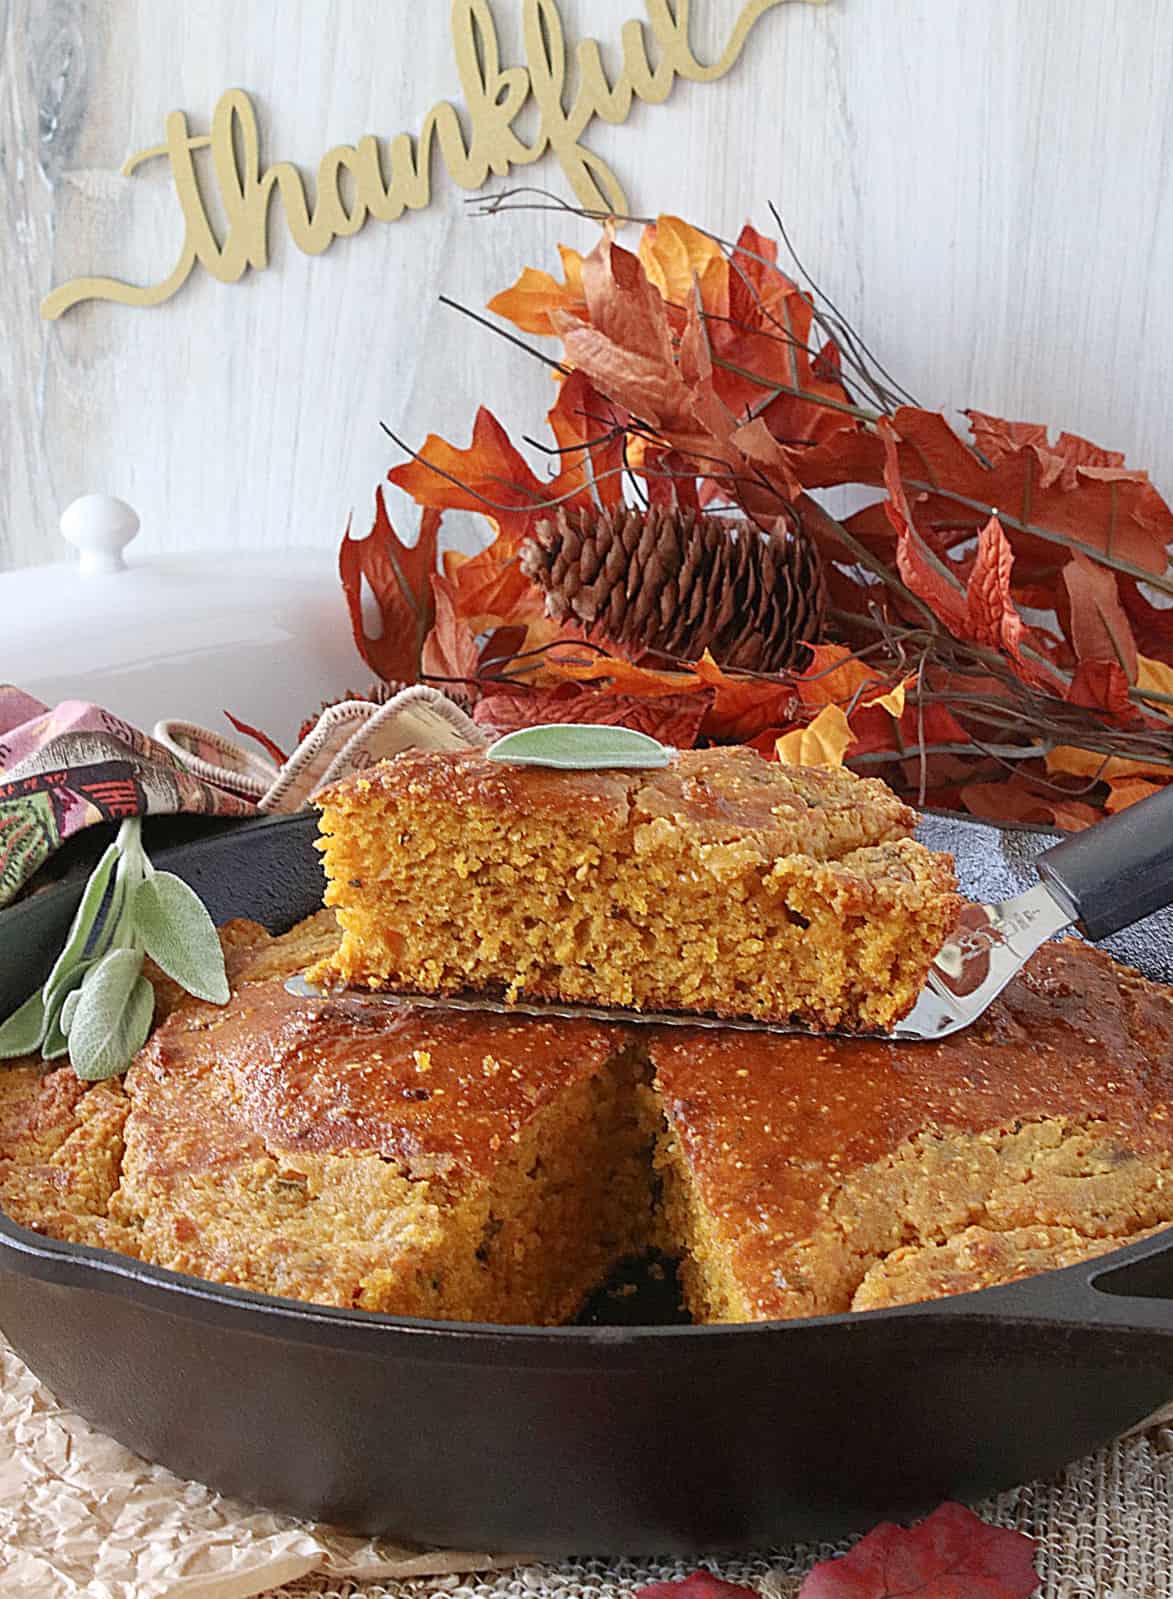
x=986 y=189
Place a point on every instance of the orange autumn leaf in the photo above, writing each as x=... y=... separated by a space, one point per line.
x=1091 y=765
x=622 y=677
x=535 y=295
x=398 y=577
x=1155 y=678
x=490 y=476
x=676 y=255
x=450 y=649
x=823 y=742
x=834 y=676
x=1129 y=791
x=1065 y=498
x=742 y=707
x=490 y=590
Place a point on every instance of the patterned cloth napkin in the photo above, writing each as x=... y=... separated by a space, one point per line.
x=70 y=767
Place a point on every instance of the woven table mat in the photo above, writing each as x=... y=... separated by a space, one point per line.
x=1105 y=1529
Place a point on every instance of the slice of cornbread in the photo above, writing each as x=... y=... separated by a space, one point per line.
x=722 y=883
x=805 y=1177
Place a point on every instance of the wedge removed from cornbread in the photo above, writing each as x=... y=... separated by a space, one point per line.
x=721 y=883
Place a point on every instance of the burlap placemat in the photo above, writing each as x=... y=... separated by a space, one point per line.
x=81 y=1516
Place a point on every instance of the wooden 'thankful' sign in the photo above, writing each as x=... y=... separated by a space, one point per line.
x=386 y=177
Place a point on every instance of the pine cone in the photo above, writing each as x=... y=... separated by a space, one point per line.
x=679 y=582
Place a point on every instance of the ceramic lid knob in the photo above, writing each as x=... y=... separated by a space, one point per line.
x=99 y=527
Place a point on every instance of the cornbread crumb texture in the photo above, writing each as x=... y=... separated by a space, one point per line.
x=483 y=1168
x=721 y=883
x=811 y=1177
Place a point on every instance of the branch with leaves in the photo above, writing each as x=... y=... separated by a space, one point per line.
x=999 y=625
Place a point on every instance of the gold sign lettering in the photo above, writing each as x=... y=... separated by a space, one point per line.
x=385 y=178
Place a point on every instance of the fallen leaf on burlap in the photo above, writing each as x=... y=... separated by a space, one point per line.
x=398 y=576
x=952 y=1554
x=699 y=1585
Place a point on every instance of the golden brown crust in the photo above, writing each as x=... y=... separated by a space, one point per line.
x=810 y=1160
x=493 y=1168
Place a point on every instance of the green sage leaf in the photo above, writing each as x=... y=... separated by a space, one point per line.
x=24 y=1030
x=66 y=994
x=108 y=1018
x=74 y=948
x=579 y=747
x=65 y=1020
x=180 y=937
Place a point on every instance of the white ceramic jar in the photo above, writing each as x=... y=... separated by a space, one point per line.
x=263 y=635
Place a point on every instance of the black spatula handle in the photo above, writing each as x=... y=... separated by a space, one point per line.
x=1118 y=871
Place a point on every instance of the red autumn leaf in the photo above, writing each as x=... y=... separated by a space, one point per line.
x=450 y=650
x=398 y=577
x=674 y=719
x=952 y=1554
x=1102 y=686
x=1152 y=626
x=1017 y=799
x=581 y=419
x=700 y=1585
x=272 y=750
x=1063 y=497
x=1094 y=618
x=993 y=617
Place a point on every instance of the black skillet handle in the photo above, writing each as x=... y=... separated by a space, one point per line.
x=1119 y=871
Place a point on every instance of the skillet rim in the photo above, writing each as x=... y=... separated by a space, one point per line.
x=1037 y=1299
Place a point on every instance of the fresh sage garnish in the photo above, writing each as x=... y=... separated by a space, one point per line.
x=96 y=1004
x=579 y=747
x=180 y=936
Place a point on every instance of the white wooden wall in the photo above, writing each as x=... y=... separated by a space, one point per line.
x=985 y=186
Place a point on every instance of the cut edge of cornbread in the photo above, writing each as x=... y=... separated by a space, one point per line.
x=724 y=885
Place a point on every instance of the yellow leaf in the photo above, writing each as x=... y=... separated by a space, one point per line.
x=893 y=701
x=823 y=743
x=1154 y=677
x=1106 y=769
x=674 y=254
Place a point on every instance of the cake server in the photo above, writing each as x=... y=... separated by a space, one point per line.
x=1101 y=880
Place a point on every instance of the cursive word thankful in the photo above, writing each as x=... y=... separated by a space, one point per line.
x=383 y=178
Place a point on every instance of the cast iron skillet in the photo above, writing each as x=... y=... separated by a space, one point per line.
x=595 y=1438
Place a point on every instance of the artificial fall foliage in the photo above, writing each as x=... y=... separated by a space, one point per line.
x=998 y=632
x=952 y=1554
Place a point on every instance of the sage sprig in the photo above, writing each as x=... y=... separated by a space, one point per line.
x=96 y=1004
x=580 y=747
